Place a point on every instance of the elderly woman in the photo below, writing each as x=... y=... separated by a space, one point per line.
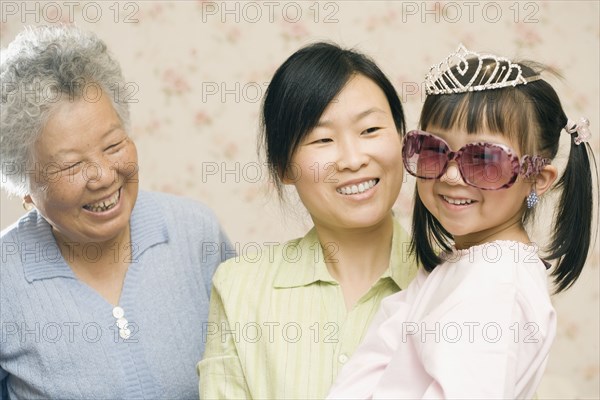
x=104 y=289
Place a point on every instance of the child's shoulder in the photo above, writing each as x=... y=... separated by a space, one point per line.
x=500 y=262
x=502 y=275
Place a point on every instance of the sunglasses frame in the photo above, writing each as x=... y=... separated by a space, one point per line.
x=527 y=165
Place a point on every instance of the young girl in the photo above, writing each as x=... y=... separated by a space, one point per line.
x=480 y=324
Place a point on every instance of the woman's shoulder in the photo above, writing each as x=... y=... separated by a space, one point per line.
x=30 y=222
x=259 y=264
x=30 y=236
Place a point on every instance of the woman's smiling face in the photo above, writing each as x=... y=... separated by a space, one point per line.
x=348 y=170
x=86 y=182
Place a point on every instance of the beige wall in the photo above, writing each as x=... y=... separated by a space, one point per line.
x=200 y=68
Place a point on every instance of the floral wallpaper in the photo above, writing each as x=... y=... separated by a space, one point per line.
x=197 y=71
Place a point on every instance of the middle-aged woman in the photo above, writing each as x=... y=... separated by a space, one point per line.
x=104 y=291
x=283 y=323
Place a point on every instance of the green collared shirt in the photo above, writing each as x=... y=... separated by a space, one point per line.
x=278 y=326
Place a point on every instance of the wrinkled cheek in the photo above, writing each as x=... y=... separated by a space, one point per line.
x=132 y=156
x=129 y=171
x=127 y=166
x=61 y=201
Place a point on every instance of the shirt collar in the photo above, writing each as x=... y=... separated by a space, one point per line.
x=42 y=259
x=311 y=267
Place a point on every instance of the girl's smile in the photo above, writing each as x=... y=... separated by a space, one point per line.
x=470 y=214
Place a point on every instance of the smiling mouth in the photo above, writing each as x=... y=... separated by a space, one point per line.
x=457 y=202
x=356 y=189
x=104 y=205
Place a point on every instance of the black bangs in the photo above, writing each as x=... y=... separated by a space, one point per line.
x=531 y=116
x=507 y=112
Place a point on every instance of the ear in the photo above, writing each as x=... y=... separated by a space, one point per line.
x=545 y=179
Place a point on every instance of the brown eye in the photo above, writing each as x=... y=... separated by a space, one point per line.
x=321 y=141
x=371 y=130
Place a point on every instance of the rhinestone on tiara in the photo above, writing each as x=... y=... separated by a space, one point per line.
x=441 y=79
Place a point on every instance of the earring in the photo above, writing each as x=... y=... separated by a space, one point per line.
x=532 y=199
x=27 y=206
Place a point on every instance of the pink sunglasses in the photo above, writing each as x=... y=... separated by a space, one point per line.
x=486 y=166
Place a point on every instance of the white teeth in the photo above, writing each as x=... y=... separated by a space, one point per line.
x=457 y=201
x=104 y=205
x=360 y=188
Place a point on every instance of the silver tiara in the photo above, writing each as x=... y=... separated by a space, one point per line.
x=441 y=79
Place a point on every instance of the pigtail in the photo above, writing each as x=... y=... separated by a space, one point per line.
x=571 y=232
x=573 y=219
x=427 y=233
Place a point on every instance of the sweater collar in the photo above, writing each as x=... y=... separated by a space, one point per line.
x=41 y=256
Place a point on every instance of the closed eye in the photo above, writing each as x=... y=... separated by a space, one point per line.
x=115 y=145
x=371 y=130
x=71 y=165
x=323 y=140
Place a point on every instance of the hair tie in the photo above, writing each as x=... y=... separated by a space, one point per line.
x=581 y=128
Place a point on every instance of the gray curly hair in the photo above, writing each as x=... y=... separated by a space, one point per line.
x=42 y=67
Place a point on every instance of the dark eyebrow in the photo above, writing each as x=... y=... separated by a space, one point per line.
x=358 y=117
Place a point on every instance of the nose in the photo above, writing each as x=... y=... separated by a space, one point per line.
x=452 y=175
x=100 y=173
x=351 y=154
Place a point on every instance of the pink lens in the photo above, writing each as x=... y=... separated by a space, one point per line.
x=425 y=156
x=487 y=166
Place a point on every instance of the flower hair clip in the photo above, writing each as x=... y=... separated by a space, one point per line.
x=581 y=128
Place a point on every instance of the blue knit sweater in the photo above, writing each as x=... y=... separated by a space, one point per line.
x=58 y=335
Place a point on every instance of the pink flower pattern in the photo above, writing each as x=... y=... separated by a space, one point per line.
x=196 y=115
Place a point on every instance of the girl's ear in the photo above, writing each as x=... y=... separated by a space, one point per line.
x=545 y=179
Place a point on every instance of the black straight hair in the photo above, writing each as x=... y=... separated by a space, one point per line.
x=532 y=116
x=301 y=89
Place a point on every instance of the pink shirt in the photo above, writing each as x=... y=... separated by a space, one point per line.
x=479 y=326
